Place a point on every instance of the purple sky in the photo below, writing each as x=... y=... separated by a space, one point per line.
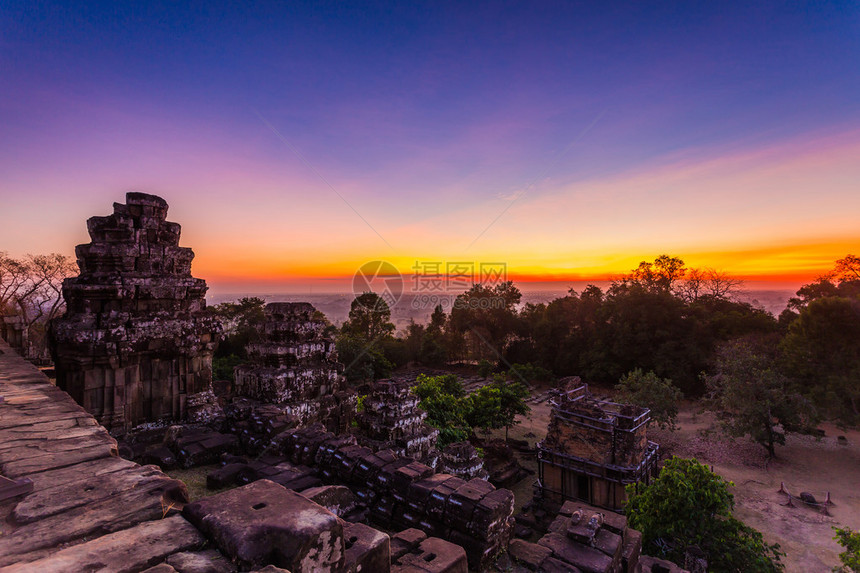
x=594 y=137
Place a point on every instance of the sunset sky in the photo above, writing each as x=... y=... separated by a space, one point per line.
x=296 y=141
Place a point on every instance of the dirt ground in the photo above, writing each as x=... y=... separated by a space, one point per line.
x=805 y=463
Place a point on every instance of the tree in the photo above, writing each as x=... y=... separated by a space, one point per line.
x=850 y=540
x=438 y=320
x=369 y=318
x=241 y=323
x=648 y=329
x=364 y=338
x=363 y=360
x=497 y=405
x=822 y=351
x=487 y=316
x=707 y=283
x=442 y=398
x=842 y=281
x=31 y=288
x=689 y=505
x=650 y=391
x=658 y=276
x=847 y=269
x=753 y=397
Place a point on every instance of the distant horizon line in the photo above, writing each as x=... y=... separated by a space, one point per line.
x=335 y=286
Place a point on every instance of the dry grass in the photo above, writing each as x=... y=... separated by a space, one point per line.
x=195 y=480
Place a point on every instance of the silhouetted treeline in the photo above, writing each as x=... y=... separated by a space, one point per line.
x=661 y=318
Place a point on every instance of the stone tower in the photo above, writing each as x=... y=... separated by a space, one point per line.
x=294 y=364
x=136 y=342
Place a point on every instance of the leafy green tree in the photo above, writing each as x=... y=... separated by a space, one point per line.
x=651 y=329
x=650 y=391
x=850 y=558
x=223 y=366
x=485 y=368
x=413 y=340
x=438 y=320
x=689 y=505
x=754 y=398
x=442 y=398
x=445 y=384
x=241 y=322
x=497 y=405
x=842 y=281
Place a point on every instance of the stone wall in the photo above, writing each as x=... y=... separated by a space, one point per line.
x=136 y=340
x=294 y=365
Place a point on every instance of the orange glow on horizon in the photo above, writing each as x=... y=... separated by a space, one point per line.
x=784 y=266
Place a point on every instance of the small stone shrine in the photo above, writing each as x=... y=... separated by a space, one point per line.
x=462 y=460
x=392 y=420
x=593 y=448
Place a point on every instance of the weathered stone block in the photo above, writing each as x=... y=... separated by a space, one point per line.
x=209 y=561
x=405 y=542
x=367 y=550
x=648 y=564
x=125 y=551
x=224 y=476
x=336 y=498
x=434 y=555
x=614 y=522
x=530 y=555
x=588 y=559
x=264 y=523
x=631 y=548
x=135 y=341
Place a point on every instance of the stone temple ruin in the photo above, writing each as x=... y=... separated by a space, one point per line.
x=392 y=420
x=593 y=448
x=294 y=365
x=135 y=344
x=307 y=490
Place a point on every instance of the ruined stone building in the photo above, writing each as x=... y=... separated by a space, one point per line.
x=294 y=365
x=593 y=448
x=14 y=332
x=136 y=343
x=462 y=460
x=392 y=420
